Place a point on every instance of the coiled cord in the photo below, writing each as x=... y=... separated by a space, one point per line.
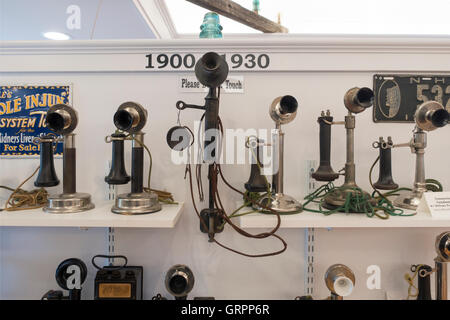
x=21 y=199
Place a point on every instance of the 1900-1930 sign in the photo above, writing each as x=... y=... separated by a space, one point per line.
x=398 y=96
x=22 y=115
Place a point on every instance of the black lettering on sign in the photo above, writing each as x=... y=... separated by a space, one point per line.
x=163 y=61
x=189 y=61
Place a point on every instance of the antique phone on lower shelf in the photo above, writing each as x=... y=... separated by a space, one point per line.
x=441 y=270
x=70 y=275
x=340 y=280
x=118 y=282
x=423 y=290
x=442 y=266
x=61 y=119
x=179 y=281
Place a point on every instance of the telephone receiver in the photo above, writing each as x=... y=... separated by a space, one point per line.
x=47 y=174
x=324 y=172
x=61 y=119
x=68 y=273
x=179 y=281
x=117 y=173
x=340 y=280
x=179 y=138
x=256 y=181
x=424 y=282
x=385 y=180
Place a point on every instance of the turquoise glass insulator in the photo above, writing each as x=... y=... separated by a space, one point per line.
x=256 y=6
x=211 y=27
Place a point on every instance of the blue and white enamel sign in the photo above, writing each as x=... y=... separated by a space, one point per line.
x=22 y=115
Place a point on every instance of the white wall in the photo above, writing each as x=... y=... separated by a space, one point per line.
x=33 y=253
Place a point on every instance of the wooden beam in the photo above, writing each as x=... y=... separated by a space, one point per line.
x=232 y=10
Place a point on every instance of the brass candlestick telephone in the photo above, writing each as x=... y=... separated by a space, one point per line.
x=130 y=117
x=356 y=100
x=61 y=119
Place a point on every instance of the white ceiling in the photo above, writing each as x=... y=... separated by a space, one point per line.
x=28 y=19
x=143 y=19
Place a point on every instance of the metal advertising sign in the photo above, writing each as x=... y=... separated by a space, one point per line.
x=398 y=96
x=22 y=115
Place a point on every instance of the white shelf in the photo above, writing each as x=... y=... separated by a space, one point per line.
x=100 y=216
x=307 y=219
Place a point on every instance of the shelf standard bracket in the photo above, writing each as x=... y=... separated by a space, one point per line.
x=309 y=235
x=111 y=237
x=309 y=261
x=111 y=244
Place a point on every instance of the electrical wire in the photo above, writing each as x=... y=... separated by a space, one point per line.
x=430 y=184
x=357 y=201
x=21 y=199
x=433 y=185
x=198 y=167
x=163 y=196
x=240 y=231
x=218 y=203
x=253 y=197
x=214 y=173
x=410 y=280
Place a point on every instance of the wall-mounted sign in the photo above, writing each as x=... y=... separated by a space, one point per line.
x=187 y=61
x=233 y=84
x=398 y=96
x=22 y=114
